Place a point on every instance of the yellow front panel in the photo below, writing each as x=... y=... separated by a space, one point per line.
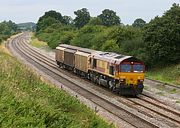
x=131 y=78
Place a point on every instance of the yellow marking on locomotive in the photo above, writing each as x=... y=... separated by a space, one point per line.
x=130 y=78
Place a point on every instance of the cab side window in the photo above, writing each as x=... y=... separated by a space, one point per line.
x=94 y=63
x=111 y=70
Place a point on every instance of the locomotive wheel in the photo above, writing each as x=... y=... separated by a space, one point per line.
x=98 y=81
x=111 y=85
x=114 y=90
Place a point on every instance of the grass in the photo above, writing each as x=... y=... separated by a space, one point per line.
x=26 y=101
x=145 y=87
x=173 y=91
x=37 y=43
x=169 y=74
x=160 y=93
x=178 y=101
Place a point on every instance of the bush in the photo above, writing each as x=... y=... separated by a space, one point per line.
x=67 y=37
x=86 y=36
x=111 y=46
x=54 y=35
x=162 y=36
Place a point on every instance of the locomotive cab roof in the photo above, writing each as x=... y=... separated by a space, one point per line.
x=113 y=57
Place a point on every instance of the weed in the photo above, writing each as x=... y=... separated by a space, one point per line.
x=160 y=93
x=173 y=91
x=145 y=87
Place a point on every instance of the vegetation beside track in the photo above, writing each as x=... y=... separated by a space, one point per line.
x=25 y=101
x=169 y=74
x=37 y=43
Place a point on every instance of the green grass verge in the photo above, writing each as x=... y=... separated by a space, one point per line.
x=36 y=43
x=169 y=74
x=26 y=101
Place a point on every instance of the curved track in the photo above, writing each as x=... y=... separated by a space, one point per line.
x=142 y=111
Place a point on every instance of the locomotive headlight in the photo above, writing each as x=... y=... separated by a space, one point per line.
x=140 y=81
x=139 y=77
x=122 y=80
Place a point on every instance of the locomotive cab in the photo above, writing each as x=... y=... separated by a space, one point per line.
x=131 y=76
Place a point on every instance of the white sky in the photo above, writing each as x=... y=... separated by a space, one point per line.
x=30 y=10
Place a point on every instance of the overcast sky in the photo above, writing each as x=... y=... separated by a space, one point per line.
x=21 y=11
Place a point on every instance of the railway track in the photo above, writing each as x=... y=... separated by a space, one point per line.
x=136 y=112
x=163 y=83
x=154 y=109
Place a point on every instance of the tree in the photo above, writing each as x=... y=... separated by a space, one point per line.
x=110 y=46
x=109 y=18
x=162 y=37
x=48 y=19
x=67 y=20
x=139 y=23
x=86 y=35
x=53 y=14
x=124 y=33
x=7 y=29
x=46 y=22
x=95 y=21
x=67 y=37
x=82 y=17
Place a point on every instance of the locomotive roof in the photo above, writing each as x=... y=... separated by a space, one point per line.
x=110 y=56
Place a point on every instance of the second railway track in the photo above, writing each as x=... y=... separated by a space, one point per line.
x=137 y=112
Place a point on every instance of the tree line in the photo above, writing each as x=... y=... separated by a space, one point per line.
x=156 y=42
x=7 y=28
